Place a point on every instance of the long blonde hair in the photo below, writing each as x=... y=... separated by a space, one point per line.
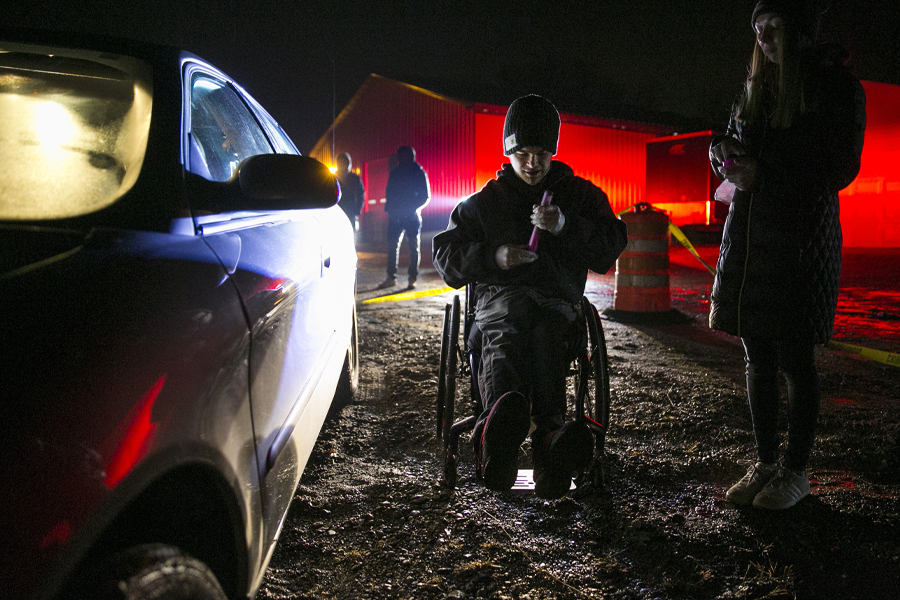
x=773 y=91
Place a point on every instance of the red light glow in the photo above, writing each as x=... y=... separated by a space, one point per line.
x=58 y=535
x=870 y=206
x=139 y=433
x=613 y=159
x=845 y=401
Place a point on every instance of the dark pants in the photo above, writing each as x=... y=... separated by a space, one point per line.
x=525 y=347
x=412 y=225
x=796 y=360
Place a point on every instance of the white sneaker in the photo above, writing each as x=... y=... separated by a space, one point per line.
x=784 y=490
x=751 y=484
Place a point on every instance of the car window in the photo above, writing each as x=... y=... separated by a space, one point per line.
x=73 y=132
x=277 y=135
x=285 y=146
x=223 y=130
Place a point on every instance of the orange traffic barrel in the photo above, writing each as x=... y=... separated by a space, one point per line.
x=642 y=271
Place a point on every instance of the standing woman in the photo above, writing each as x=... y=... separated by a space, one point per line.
x=794 y=139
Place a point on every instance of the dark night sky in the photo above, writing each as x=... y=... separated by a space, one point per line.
x=672 y=61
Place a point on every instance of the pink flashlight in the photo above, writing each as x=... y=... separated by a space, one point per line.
x=533 y=242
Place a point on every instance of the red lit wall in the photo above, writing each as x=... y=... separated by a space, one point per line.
x=870 y=206
x=680 y=181
x=614 y=159
x=489 y=155
x=459 y=145
x=386 y=114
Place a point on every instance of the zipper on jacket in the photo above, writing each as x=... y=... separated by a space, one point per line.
x=746 y=260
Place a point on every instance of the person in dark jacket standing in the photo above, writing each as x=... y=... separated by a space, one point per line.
x=352 y=192
x=794 y=139
x=406 y=194
x=527 y=301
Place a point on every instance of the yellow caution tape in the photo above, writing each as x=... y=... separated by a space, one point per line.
x=675 y=231
x=408 y=295
x=888 y=358
x=679 y=235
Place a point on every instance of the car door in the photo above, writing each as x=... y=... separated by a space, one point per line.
x=275 y=261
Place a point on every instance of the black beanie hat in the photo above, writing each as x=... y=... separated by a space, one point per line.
x=531 y=121
x=802 y=14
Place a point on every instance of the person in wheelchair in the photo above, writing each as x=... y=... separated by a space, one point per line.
x=526 y=302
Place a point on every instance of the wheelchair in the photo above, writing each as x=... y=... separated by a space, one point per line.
x=587 y=385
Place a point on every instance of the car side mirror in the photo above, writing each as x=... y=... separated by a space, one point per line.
x=286 y=181
x=268 y=182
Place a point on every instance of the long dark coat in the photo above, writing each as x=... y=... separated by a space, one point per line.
x=780 y=259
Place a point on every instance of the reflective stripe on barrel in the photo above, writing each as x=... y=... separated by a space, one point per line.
x=642 y=271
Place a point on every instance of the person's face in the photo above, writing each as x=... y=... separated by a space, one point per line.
x=343 y=165
x=531 y=164
x=770 y=35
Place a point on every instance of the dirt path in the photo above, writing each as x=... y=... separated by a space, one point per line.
x=370 y=521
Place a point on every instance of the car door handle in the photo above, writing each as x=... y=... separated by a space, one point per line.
x=327 y=262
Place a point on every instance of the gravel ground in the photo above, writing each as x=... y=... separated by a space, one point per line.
x=370 y=519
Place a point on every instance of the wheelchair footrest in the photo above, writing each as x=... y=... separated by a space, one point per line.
x=525 y=481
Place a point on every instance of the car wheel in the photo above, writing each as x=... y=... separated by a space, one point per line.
x=349 y=381
x=158 y=572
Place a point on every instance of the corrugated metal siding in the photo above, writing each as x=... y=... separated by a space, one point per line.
x=385 y=115
x=460 y=146
x=614 y=159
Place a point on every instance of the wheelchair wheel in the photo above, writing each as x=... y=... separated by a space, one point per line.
x=592 y=402
x=442 y=373
x=450 y=355
x=452 y=371
x=598 y=398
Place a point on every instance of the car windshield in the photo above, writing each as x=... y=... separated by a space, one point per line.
x=73 y=132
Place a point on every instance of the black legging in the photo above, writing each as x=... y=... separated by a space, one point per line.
x=796 y=360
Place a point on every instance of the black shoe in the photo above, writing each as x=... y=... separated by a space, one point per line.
x=387 y=283
x=558 y=456
x=505 y=428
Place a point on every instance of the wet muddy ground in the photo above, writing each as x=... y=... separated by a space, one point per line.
x=370 y=521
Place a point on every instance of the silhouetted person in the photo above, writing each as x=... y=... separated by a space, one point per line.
x=352 y=192
x=407 y=192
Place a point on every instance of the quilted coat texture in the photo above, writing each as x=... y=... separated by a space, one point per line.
x=780 y=260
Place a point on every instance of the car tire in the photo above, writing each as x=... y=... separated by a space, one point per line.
x=348 y=384
x=157 y=572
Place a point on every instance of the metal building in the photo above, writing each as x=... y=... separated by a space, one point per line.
x=459 y=144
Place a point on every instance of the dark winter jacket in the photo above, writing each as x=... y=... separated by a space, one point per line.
x=352 y=194
x=780 y=259
x=591 y=238
x=407 y=189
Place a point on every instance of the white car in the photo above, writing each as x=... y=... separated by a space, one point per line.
x=178 y=293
